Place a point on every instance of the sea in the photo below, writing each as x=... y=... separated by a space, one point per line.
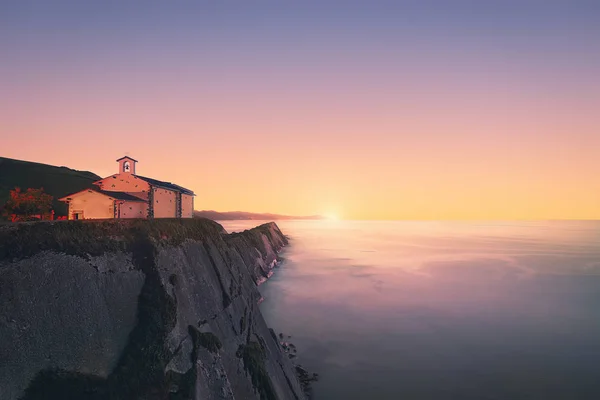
x=440 y=310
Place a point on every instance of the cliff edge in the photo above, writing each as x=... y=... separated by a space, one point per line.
x=138 y=309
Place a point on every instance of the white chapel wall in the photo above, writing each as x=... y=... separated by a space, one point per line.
x=93 y=204
x=165 y=203
x=133 y=209
x=187 y=206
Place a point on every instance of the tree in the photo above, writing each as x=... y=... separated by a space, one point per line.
x=31 y=204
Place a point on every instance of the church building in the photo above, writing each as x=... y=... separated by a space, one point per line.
x=128 y=195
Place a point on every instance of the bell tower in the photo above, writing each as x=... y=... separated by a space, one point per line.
x=126 y=165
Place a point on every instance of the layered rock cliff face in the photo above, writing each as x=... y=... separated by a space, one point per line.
x=163 y=309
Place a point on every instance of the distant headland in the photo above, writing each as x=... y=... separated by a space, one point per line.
x=242 y=215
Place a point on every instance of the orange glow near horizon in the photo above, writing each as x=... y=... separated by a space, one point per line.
x=359 y=177
x=380 y=164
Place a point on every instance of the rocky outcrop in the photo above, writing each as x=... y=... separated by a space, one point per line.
x=162 y=309
x=264 y=245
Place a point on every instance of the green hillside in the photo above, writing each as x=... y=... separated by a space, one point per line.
x=56 y=181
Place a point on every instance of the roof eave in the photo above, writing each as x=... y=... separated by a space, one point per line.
x=189 y=192
x=69 y=196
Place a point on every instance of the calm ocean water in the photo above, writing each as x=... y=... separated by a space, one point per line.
x=436 y=310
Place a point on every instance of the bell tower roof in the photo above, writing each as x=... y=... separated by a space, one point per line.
x=127 y=157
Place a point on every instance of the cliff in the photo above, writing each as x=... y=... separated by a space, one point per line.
x=160 y=309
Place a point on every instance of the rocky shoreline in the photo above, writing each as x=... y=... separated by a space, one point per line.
x=306 y=378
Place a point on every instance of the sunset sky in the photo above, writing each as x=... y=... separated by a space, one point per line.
x=366 y=110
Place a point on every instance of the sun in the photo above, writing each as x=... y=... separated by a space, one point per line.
x=331 y=216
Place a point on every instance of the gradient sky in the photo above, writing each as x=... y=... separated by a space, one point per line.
x=368 y=110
